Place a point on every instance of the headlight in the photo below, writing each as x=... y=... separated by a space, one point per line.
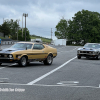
x=78 y=51
x=93 y=52
x=10 y=56
x=97 y=52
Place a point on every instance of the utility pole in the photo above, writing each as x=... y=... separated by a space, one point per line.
x=51 y=33
x=25 y=15
x=22 y=26
x=17 y=28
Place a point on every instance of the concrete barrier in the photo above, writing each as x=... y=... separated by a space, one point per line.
x=8 y=42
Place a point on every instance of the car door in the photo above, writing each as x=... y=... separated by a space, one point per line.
x=38 y=51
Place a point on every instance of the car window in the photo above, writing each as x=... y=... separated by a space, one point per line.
x=95 y=46
x=29 y=46
x=22 y=45
x=38 y=46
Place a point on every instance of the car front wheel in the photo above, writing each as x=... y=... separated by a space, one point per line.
x=48 y=60
x=79 y=57
x=98 y=57
x=23 y=61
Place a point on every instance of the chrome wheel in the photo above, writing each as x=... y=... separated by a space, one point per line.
x=49 y=59
x=23 y=61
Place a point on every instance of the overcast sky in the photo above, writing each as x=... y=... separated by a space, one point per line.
x=44 y=14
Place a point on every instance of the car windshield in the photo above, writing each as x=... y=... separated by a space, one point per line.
x=22 y=45
x=95 y=46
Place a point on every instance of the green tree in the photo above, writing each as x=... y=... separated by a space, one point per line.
x=23 y=38
x=13 y=25
x=61 y=29
x=85 y=26
x=4 y=28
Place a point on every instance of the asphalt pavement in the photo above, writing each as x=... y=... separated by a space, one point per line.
x=68 y=78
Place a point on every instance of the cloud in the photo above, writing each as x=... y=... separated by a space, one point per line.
x=44 y=14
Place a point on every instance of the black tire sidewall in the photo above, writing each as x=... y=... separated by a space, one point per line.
x=79 y=57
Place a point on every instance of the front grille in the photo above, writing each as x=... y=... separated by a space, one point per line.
x=84 y=51
x=1 y=55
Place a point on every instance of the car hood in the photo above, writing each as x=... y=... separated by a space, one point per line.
x=10 y=50
x=87 y=49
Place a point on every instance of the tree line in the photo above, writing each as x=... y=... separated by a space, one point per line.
x=84 y=27
x=12 y=29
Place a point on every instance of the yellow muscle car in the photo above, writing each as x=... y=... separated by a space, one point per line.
x=26 y=52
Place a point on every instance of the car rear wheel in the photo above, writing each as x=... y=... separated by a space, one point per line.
x=23 y=61
x=48 y=60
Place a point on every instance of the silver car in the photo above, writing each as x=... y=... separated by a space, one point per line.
x=89 y=50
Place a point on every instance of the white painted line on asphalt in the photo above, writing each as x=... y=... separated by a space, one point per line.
x=2 y=67
x=68 y=82
x=47 y=74
x=65 y=84
x=50 y=85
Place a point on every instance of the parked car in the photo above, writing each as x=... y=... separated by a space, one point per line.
x=26 y=52
x=89 y=50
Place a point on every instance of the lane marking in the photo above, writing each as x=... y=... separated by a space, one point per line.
x=65 y=84
x=50 y=85
x=47 y=74
x=68 y=82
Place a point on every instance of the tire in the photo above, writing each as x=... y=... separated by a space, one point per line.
x=23 y=61
x=98 y=57
x=48 y=60
x=0 y=63
x=79 y=57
